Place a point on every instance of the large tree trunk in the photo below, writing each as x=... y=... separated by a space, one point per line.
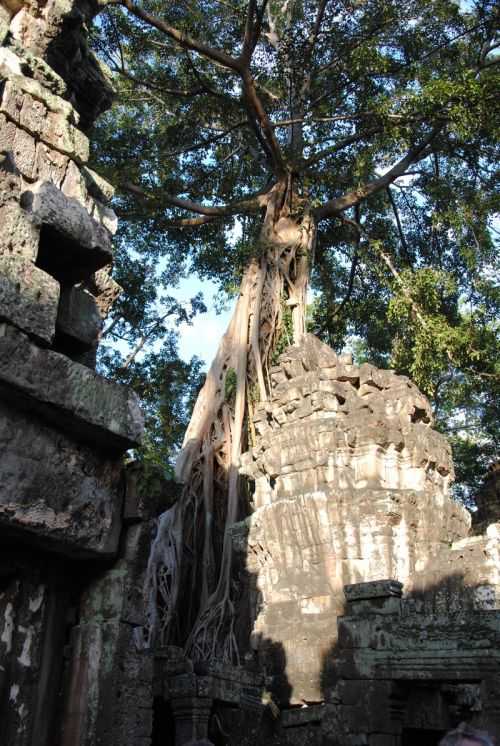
x=189 y=577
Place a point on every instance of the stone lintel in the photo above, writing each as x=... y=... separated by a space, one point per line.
x=233 y=685
x=373 y=589
x=73 y=397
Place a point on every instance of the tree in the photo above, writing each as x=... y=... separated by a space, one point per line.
x=352 y=138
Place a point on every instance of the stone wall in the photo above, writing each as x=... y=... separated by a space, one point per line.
x=350 y=485
x=74 y=530
x=351 y=488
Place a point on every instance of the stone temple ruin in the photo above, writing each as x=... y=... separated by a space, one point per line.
x=369 y=608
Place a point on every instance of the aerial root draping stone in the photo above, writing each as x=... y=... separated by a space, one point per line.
x=29 y=297
x=68 y=394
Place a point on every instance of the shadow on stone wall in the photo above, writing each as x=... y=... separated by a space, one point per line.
x=406 y=670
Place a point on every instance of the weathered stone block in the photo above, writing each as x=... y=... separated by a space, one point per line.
x=104 y=289
x=10 y=180
x=74 y=185
x=104 y=215
x=98 y=187
x=7 y=134
x=23 y=149
x=50 y=165
x=10 y=69
x=32 y=114
x=29 y=297
x=63 y=136
x=69 y=394
x=12 y=101
x=76 y=245
x=78 y=316
x=19 y=233
x=58 y=491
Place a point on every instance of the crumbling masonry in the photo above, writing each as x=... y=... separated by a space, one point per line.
x=369 y=610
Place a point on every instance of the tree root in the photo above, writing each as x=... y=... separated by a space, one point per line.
x=193 y=547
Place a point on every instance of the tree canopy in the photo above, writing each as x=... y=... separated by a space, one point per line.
x=350 y=145
x=384 y=115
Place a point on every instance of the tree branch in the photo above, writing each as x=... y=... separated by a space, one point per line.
x=251 y=204
x=335 y=207
x=208 y=141
x=398 y=223
x=184 y=40
x=354 y=265
x=344 y=143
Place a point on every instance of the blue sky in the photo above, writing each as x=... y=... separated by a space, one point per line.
x=202 y=337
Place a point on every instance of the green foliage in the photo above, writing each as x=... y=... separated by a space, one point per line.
x=167 y=387
x=381 y=75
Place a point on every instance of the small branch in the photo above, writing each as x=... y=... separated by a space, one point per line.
x=398 y=223
x=316 y=29
x=352 y=274
x=208 y=141
x=344 y=143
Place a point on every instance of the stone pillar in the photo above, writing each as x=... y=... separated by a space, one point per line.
x=361 y=709
x=191 y=715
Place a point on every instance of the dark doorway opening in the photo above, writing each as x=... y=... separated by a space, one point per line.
x=163 y=724
x=421 y=737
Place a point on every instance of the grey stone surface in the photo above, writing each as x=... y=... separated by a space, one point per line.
x=19 y=233
x=68 y=394
x=374 y=589
x=63 y=429
x=55 y=490
x=350 y=485
x=29 y=297
x=78 y=244
x=78 y=315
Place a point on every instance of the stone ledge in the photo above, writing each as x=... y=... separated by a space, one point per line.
x=63 y=392
x=302 y=715
x=373 y=589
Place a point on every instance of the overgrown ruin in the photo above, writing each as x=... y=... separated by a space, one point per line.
x=368 y=609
